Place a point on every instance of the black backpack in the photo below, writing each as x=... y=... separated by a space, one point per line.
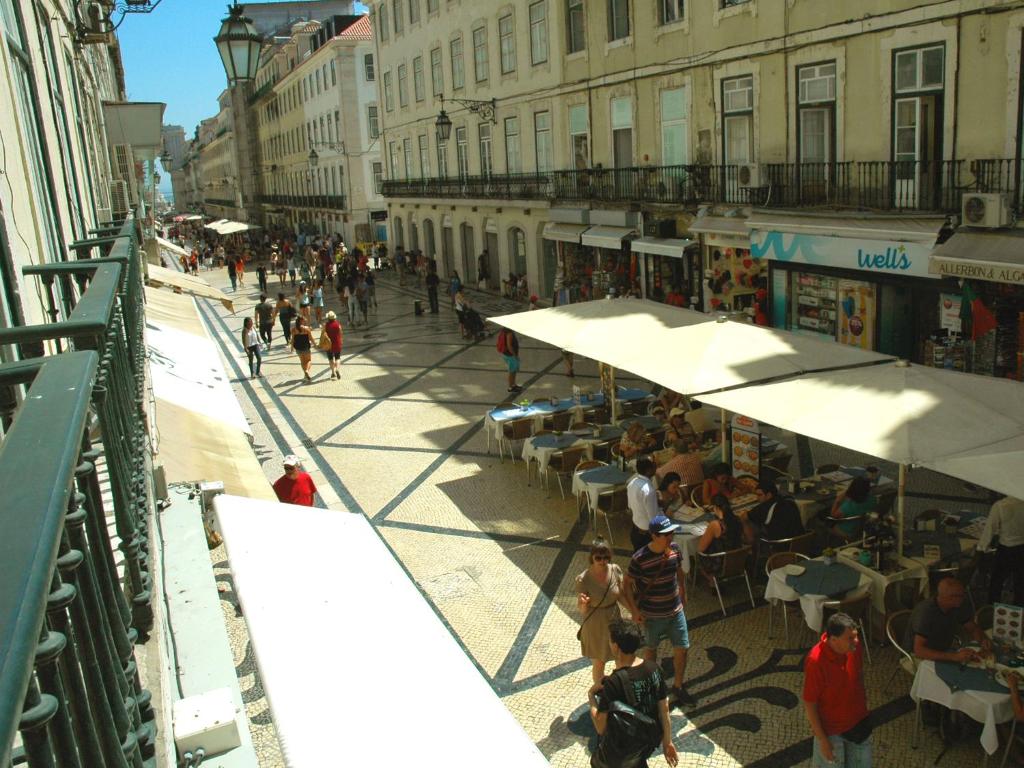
x=630 y=734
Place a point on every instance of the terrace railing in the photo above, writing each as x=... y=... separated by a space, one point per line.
x=69 y=617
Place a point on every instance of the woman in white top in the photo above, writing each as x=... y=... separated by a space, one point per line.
x=251 y=344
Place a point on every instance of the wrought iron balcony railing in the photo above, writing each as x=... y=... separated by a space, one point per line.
x=68 y=617
x=913 y=185
x=324 y=202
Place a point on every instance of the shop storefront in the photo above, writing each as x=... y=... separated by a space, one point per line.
x=733 y=278
x=859 y=281
x=669 y=263
x=572 y=265
x=981 y=316
x=616 y=269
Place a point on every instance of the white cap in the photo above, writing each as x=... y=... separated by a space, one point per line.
x=291 y=460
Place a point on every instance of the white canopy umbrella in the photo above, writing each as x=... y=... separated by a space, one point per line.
x=998 y=466
x=215 y=225
x=908 y=414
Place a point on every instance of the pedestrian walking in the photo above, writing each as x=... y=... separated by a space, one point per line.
x=318 y=301
x=293 y=268
x=362 y=293
x=834 y=698
x=630 y=734
x=598 y=593
x=261 y=277
x=371 y=289
x=1004 y=532
x=240 y=270
x=332 y=330
x=655 y=590
x=295 y=486
x=264 y=315
x=454 y=287
x=400 y=265
x=285 y=313
x=302 y=343
x=302 y=300
x=508 y=347
x=350 y=299
x=251 y=344
x=232 y=273
x=433 y=281
x=280 y=267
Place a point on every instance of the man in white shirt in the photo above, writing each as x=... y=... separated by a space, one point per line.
x=1005 y=524
x=642 y=498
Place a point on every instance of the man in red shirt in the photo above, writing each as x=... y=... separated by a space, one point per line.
x=295 y=486
x=834 y=697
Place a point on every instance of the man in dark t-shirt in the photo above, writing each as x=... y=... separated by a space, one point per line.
x=433 y=281
x=775 y=517
x=639 y=684
x=935 y=623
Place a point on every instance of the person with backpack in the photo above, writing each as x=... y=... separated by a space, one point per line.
x=508 y=348
x=630 y=708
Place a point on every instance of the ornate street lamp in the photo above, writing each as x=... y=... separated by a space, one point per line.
x=314 y=158
x=238 y=43
x=443 y=124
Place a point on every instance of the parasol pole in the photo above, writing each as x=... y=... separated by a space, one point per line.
x=726 y=456
x=902 y=487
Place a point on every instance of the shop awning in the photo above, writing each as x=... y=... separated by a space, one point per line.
x=201 y=432
x=661 y=246
x=214 y=225
x=898 y=228
x=994 y=256
x=607 y=237
x=566 y=233
x=720 y=225
x=182 y=283
x=177 y=250
x=235 y=227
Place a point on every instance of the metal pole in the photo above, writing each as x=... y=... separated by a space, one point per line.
x=726 y=457
x=899 y=508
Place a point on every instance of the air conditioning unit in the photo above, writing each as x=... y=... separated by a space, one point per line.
x=96 y=27
x=120 y=203
x=751 y=175
x=104 y=216
x=659 y=228
x=123 y=162
x=985 y=209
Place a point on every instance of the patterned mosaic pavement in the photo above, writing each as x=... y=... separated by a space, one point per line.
x=400 y=440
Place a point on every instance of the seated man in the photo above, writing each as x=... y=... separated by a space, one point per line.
x=685 y=462
x=936 y=622
x=635 y=441
x=774 y=517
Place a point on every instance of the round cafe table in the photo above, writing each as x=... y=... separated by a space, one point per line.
x=837 y=580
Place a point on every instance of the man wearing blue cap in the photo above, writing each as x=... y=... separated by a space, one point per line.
x=655 y=591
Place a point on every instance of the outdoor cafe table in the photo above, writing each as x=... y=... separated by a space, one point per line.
x=969 y=690
x=593 y=481
x=819 y=491
x=542 y=447
x=537 y=411
x=818 y=583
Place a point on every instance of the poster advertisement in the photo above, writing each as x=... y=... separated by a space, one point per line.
x=949 y=312
x=607 y=374
x=746 y=447
x=857 y=313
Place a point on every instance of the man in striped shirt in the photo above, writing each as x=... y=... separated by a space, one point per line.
x=655 y=591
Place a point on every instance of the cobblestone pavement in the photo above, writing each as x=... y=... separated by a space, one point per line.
x=400 y=440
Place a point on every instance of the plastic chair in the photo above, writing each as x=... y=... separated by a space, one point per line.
x=842 y=537
x=599 y=414
x=780 y=560
x=896 y=630
x=563 y=463
x=602 y=450
x=900 y=596
x=513 y=431
x=734 y=565
x=559 y=422
x=697 y=496
x=858 y=608
x=611 y=501
x=802 y=544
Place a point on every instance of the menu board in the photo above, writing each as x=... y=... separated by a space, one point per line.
x=1006 y=623
x=814 y=304
x=857 y=313
x=746 y=447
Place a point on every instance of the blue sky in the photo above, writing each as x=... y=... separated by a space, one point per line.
x=169 y=56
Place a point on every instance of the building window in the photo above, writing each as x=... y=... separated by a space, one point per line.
x=622 y=132
x=382 y=22
x=481 y=66
x=507 y=44
x=462 y=152
x=431 y=6
x=414 y=11
x=670 y=11
x=542 y=141
x=372 y=121
x=730 y=3
x=675 y=127
x=484 y=135
x=418 y=86
x=334 y=74
x=389 y=96
x=393 y=159
x=442 y=160
x=378 y=177
x=424 y=147
x=539 y=32
x=517 y=250
x=618 y=19
x=396 y=13
x=368 y=68
x=918 y=82
x=458 y=68
x=513 y=154
x=575 y=26
x=738 y=120
x=436 y=72
x=816 y=99
x=407 y=157
x=579 y=136
x=403 y=85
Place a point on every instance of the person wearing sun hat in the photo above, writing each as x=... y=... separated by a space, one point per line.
x=295 y=486
x=655 y=591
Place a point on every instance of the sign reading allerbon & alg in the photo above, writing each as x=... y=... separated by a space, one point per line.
x=977 y=270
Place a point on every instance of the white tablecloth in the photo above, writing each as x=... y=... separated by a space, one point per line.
x=542 y=454
x=982 y=706
x=811 y=605
x=592 y=489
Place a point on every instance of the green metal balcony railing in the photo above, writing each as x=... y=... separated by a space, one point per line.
x=68 y=618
